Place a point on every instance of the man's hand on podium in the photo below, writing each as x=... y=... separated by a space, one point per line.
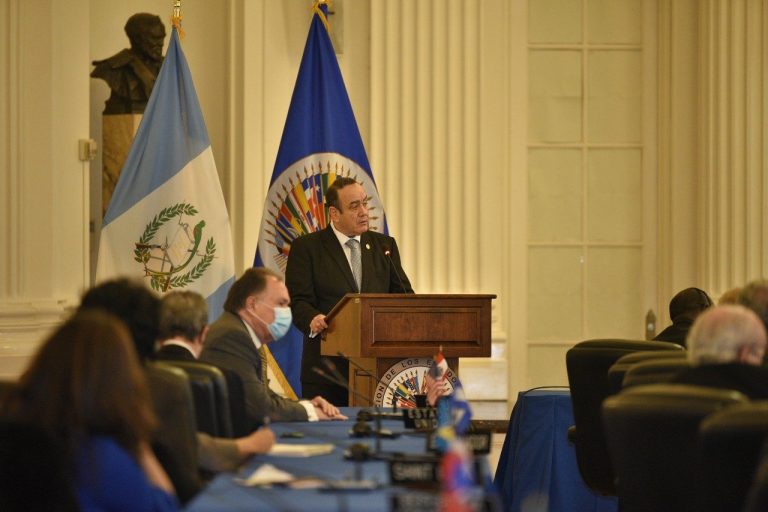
x=317 y=325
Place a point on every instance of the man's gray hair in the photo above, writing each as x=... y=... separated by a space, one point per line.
x=720 y=332
x=183 y=314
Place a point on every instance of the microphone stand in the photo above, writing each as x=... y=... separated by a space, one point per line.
x=338 y=380
x=388 y=254
x=367 y=374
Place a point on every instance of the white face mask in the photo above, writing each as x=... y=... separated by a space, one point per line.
x=282 y=322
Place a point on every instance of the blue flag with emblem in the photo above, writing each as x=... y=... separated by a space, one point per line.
x=167 y=222
x=320 y=142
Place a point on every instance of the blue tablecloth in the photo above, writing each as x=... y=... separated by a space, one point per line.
x=537 y=468
x=224 y=493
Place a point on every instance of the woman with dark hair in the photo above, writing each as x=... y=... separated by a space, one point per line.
x=86 y=388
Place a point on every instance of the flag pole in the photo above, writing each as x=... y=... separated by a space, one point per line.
x=316 y=7
x=176 y=18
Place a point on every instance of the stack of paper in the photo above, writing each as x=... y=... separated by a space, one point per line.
x=300 y=450
x=267 y=474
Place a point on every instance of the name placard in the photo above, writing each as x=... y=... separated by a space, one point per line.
x=422 y=418
x=419 y=471
x=414 y=500
x=410 y=501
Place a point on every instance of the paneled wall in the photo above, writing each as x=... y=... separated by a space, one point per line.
x=732 y=42
x=44 y=213
x=591 y=171
x=582 y=159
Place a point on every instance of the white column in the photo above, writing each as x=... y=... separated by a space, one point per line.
x=732 y=140
x=44 y=110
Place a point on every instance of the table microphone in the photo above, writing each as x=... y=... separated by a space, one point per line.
x=388 y=254
x=360 y=431
x=395 y=415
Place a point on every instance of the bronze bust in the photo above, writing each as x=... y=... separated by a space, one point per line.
x=132 y=72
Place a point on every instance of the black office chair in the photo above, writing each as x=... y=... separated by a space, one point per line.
x=5 y=387
x=209 y=389
x=654 y=371
x=731 y=442
x=175 y=440
x=587 y=363
x=652 y=435
x=757 y=497
x=34 y=471
x=618 y=369
x=241 y=426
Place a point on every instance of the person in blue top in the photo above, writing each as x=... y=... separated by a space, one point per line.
x=86 y=389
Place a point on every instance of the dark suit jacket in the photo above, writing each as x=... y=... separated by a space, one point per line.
x=215 y=454
x=318 y=276
x=174 y=353
x=676 y=333
x=240 y=424
x=174 y=442
x=746 y=378
x=229 y=346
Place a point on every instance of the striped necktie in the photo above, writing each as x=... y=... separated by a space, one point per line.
x=264 y=363
x=357 y=266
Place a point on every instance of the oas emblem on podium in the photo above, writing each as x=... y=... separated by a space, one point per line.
x=407 y=378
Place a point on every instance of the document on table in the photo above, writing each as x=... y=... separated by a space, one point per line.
x=300 y=450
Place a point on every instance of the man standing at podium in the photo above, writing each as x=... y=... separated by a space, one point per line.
x=323 y=266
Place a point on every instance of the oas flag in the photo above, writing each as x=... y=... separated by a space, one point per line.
x=320 y=142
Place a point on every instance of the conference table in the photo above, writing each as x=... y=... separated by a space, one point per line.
x=227 y=492
x=537 y=468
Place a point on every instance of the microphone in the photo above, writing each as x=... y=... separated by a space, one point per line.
x=332 y=368
x=356 y=365
x=363 y=415
x=368 y=374
x=358 y=430
x=388 y=254
x=339 y=382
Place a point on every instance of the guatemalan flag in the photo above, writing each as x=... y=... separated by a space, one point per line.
x=167 y=221
x=320 y=142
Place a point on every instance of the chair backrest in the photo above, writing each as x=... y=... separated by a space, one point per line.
x=652 y=434
x=6 y=386
x=175 y=440
x=731 y=442
x=654 y=371
x=588 y=363
x=757 y=497
x=35 y=472
x=618 y=369
x=211 y=394
x=241 y=425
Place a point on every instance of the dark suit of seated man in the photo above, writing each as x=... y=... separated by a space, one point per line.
x=684 y=307
x=183 y=329
x=322 y=269
x=726 y=346
x=257 y=312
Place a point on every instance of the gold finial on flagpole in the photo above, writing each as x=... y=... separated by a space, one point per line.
x=176 y=17
x=316 y=7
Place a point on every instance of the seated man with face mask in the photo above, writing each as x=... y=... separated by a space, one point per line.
x=257 y=312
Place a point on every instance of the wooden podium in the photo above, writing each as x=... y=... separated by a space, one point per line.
x=378 y=330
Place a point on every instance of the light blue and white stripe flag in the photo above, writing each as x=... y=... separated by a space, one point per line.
x=167 y=221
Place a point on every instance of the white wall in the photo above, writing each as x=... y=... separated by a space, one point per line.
x=439 y=88
x=44 y=106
